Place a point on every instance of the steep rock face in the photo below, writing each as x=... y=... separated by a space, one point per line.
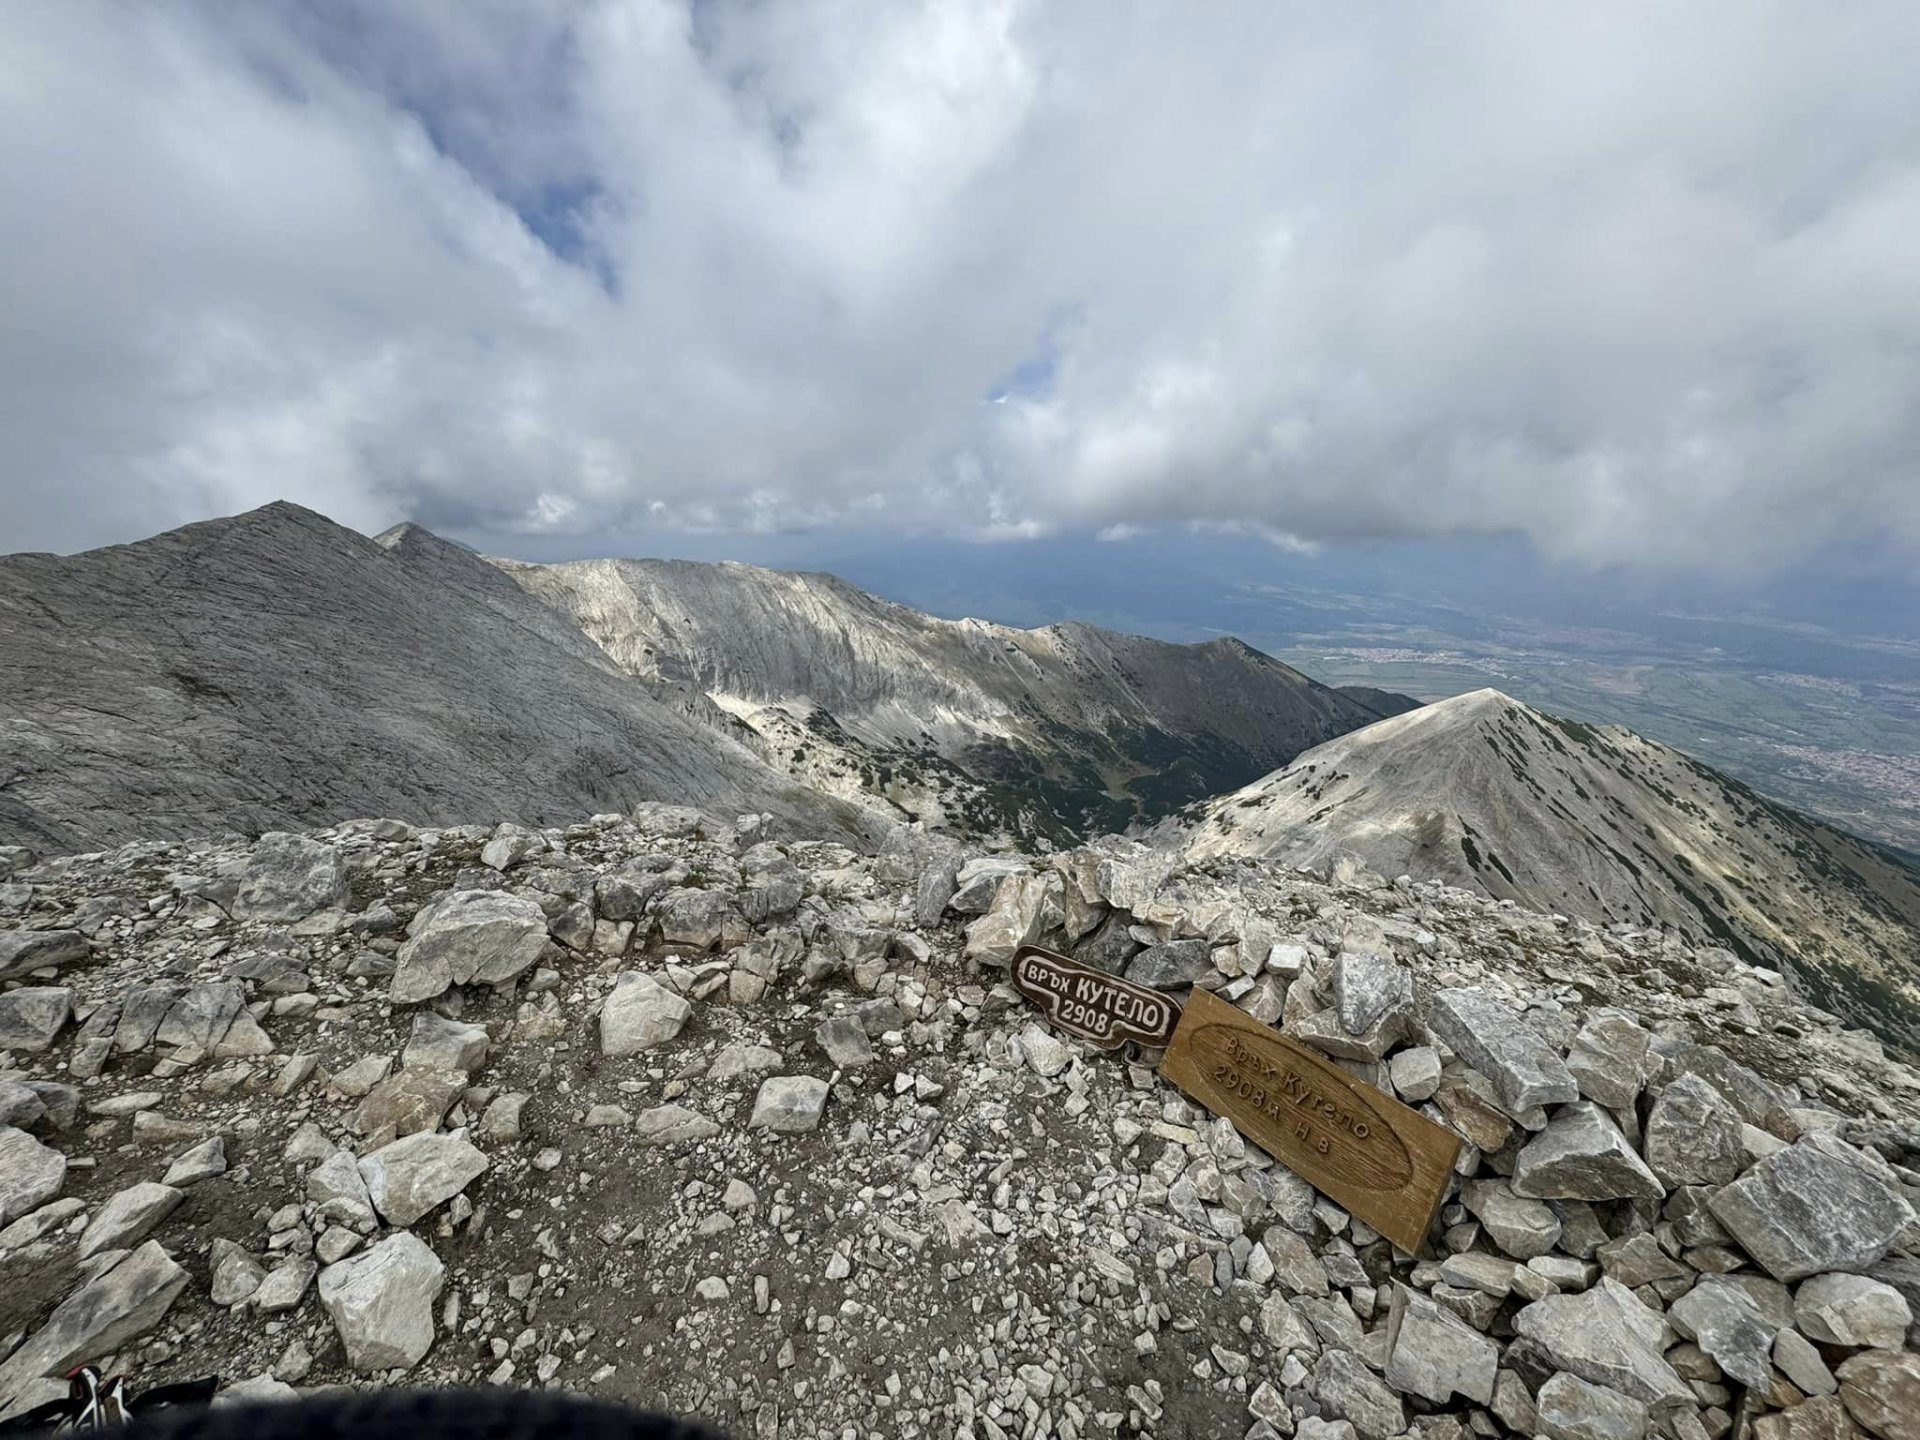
x=276 y=669
x=1067 y=729
x=1484 y=792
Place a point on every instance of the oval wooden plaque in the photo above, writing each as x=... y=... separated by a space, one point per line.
x=1385 y=1163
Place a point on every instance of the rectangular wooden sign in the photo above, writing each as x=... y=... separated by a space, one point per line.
x=1383 y=1162
x=1092 y=1004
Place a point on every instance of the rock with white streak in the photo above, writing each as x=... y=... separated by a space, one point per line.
x=1881 y=1391
x=1369 y=989
x=381 y=1303
x=1802 y=1210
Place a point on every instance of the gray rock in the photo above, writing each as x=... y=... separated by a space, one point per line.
x=1693 y=1135
x=1025 y=907
x=1801 y=1211
x=625 y=893
x=1109 y=946
x=20 y=1105
x=1487 y=1033
x=1348 y=1391
x=288 y=877
x=1170 y=965
x=502 y=1120
x=467 y=937
x=337 y=1187
x=438 y=1043
x=673 y=1125
x=22 y=951
x=1881 y=1391
x=1415 y=1073
x=30 y=1173
x=235 y=1274
x=935 y=887
x=1047 y=1055
x=1606 y=1336
x=1433 y=1354
x=146 y=1006
x=1611 y=1060
x=1369 y=989
x=640 y=1014
x=285 y=1287
x=409 y=1177
x=409 y=1102
x=32 y=1016
x=1582 y=1155
x=1851 y=1310
x=202 y=1015
x=1569 y=1408
x=511 y=845
x=381 y=1303
x=120 y=1304
x=694 y=918
x=573 y=926
x=1795 y=1358
x=1721 y=1318
x=1521 y=1227
x=129 y=1217
x=789 y=1104
x=844 y=1040
x=740 y=1060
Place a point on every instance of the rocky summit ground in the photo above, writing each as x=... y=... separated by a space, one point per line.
x=656 y=1108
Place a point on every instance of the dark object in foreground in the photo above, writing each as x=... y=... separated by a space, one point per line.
x=500 y=1414
x=106 y=1402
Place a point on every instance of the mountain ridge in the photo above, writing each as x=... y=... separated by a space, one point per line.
x=1080 y=728
x=1596 y=822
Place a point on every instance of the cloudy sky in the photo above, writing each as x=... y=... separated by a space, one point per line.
x=1635 y=281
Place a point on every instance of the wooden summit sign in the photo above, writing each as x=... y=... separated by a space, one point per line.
x=1090 y=1003
x=1382 y=1161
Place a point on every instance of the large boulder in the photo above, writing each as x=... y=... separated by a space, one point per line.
x=1025 y=907
x=123 y=1303
x=1693 y=1135
x=1433 y=1353
x=1582 y=1155
x=789 y=1104
x=22 y=951
x=1803 y=1210
x=381 y=1303
x=1490 y=1035
x=32 y=1016
x=30 y=1173
x=640 y=1014
x=1881 y=1390
x=438 y=1043
x=410 y=1176
x=468 y=937
x=288 y=877
x=129 y=1217
x=1606 y=1336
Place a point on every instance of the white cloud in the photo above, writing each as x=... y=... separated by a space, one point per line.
x=1632 y=279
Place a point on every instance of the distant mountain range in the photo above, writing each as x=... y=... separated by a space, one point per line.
x=1599 y=823
x=1053 y=733
x=274 y=668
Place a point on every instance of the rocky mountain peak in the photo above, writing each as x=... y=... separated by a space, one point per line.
x=548 y=1106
